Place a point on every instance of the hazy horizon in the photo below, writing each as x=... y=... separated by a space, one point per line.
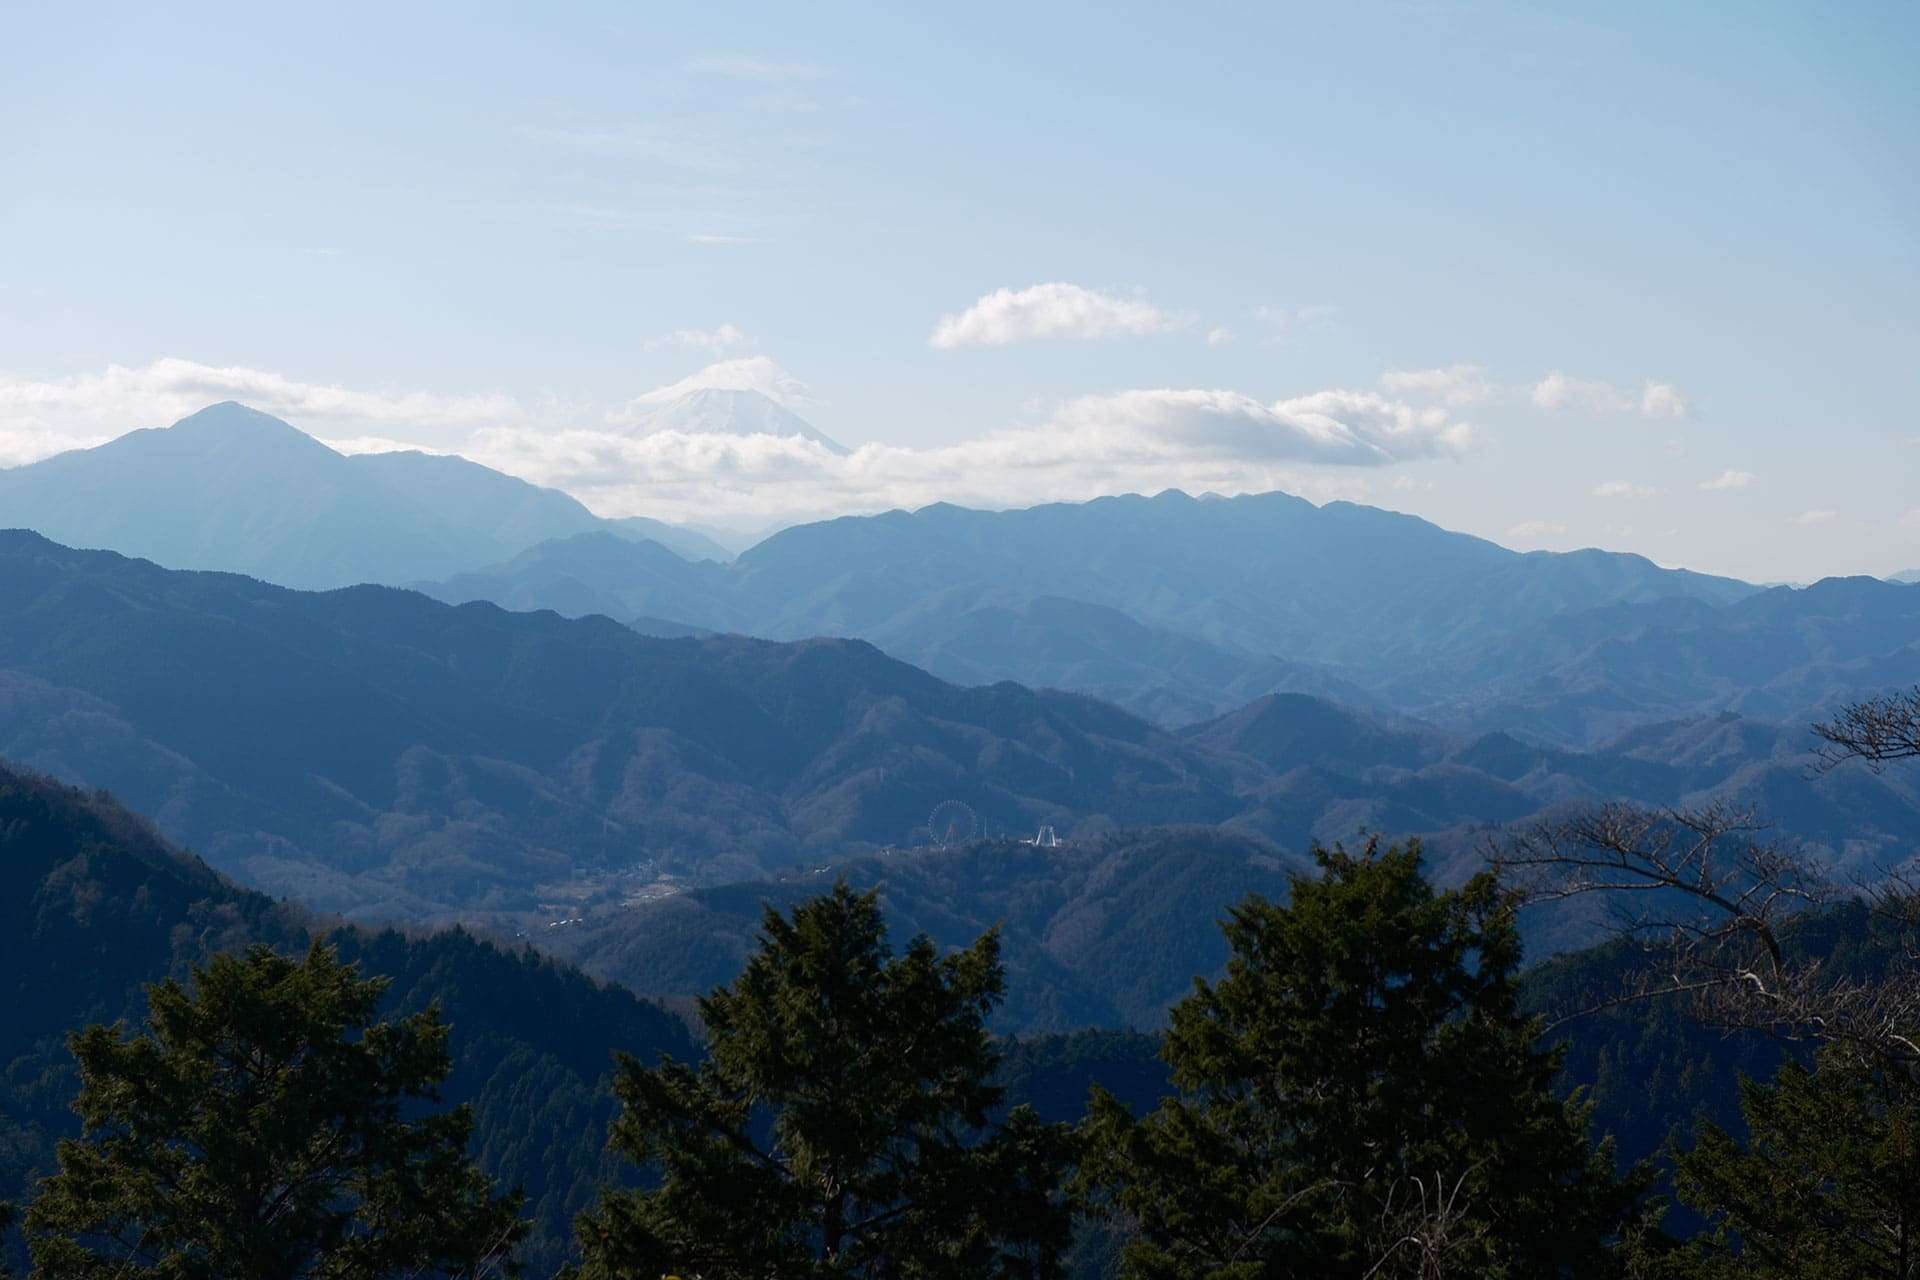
x=1640 y=280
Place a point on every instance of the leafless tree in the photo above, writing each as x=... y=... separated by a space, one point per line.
x=1716 y=899
x=1424 y=1227
x=1876 y=730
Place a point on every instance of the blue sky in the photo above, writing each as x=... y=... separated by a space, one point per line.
x=1635 y=275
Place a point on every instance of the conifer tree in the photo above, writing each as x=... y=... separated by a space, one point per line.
x=265 y=1126
x=1360 y=1097
x=1825 y=1186
x=842 y=1124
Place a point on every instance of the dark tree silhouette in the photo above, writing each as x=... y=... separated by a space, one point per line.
x=265 y=1126
x=1361 y=1097
x=842 y=1124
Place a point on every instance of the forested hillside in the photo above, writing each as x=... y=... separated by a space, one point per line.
x=371 y=750
x=93 y=905
x=97 y=905
x=1106 y=933
x=375 y=752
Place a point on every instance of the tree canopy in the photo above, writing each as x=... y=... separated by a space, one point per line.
x=1825 y=1184
x=843 y=1124
x=1360 y=1096
x=265 y=1125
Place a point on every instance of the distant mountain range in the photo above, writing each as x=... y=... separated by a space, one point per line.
x=1180 y=608
x=234 y=489
x=378 y=753
x=1175 y=608
x=1905 y=575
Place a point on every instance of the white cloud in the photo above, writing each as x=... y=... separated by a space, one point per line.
x=1091 y=446
x=725 y=338
x=1131 y=441
x=1663 y=400
x=714 y=238
x=1911 y=520
x=1219 y=335
x=1325 y=444
x=1623 y=489
x=39 y=417
x=1819 y=515
x=1558 y=392
x=377 y=444
x=1533 y=530
x=1461 y=385
x=1562 y=393
x=1345 y=428
x=1054 y=310
x=20 y=444
x=1729 y=479
x=1456 y=384
x=1147 y=440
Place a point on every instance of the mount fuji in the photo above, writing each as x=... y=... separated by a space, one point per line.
x=723 y=411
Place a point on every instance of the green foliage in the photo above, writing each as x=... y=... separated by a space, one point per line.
x=841 y=1125
x=1826 y=1185
x=259 y=1128
x=1360 y=1095
x=93 y=906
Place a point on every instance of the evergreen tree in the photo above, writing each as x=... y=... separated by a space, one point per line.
x=265 y=1127
x=842 y=1124
x=1826 y=1185
x=1359 y=1096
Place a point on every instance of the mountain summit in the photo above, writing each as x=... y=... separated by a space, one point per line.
x=719 y=411
x=235 y=489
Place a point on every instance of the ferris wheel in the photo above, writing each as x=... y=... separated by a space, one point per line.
x=952 y=823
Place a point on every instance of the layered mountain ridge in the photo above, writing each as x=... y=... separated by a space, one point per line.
x=379 y=753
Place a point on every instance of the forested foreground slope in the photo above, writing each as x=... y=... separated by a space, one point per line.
x=93 y=905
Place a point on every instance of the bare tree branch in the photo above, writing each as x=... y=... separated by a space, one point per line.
x=1430 y=1230
x=1876 y=730
x=1715 y=900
